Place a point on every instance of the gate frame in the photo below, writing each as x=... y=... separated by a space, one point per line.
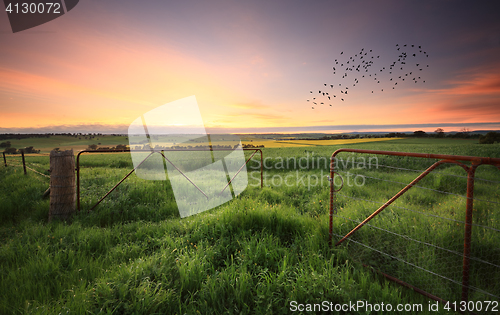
x=444 y=158
x=151 y=153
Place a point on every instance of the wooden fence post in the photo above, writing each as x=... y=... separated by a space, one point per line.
x=24 y=162
x=62 y=185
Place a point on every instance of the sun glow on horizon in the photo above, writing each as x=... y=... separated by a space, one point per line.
x=250 y=70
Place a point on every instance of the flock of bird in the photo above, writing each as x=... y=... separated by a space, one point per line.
x=356 y=70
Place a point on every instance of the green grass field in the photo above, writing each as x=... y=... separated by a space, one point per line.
x=253 y=255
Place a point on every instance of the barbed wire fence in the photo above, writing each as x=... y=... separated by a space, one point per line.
x=419 y=238
x=100 y=172
x=38 y=166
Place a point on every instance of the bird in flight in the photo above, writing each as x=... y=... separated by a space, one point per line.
x=407 y=58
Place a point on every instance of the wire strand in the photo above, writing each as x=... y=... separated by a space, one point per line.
x=37 y=172
x=418 y=267
x=426 y=214
x=421 y=242
x=438 y=172
x=422 y=187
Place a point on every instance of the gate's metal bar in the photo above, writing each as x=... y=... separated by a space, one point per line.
x=228 y=183
x=185 y=176
x=124 y=178
x=4 y=159
x=424 y=293
x=480 y=160
x=468 y=232
x=405 y=284
x=261 y=169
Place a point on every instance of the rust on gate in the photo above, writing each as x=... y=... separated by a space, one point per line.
x=443 y=159
x=162 y=154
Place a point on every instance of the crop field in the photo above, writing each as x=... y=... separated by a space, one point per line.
x=257 y=253
x=274 y=143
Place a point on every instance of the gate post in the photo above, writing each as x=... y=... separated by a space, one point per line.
x=332 y=192
x=62 y=185
x=24 y=162
x=468 y=231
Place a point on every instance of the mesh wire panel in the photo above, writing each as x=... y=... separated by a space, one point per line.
x=419 y=238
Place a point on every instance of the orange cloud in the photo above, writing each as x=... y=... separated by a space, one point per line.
x=474 y=81
x=473 y=95
x=469 y=109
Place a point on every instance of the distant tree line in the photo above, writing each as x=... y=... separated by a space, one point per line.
x=464 y=133
x=490 y=138
x=250 y=146
x=119 y=147
x=337 y=137
x=438 y=133
x=20 y=136
x=5 y=144
x=10 y=150
x=79 y=135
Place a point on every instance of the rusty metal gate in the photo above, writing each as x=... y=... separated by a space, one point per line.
x=470 y=168
x=151 y=153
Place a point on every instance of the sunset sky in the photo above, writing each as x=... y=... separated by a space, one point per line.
x=252 y=64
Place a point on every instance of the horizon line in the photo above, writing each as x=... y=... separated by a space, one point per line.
x=123 y=129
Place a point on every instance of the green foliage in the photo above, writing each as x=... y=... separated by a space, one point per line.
x=420 y=133
x=490 y=138
x=121 y=147
x=10 y=150
x=29 y=150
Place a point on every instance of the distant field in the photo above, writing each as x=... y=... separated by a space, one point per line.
x=327 y=142
x=271 y=143
x=45 y=145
